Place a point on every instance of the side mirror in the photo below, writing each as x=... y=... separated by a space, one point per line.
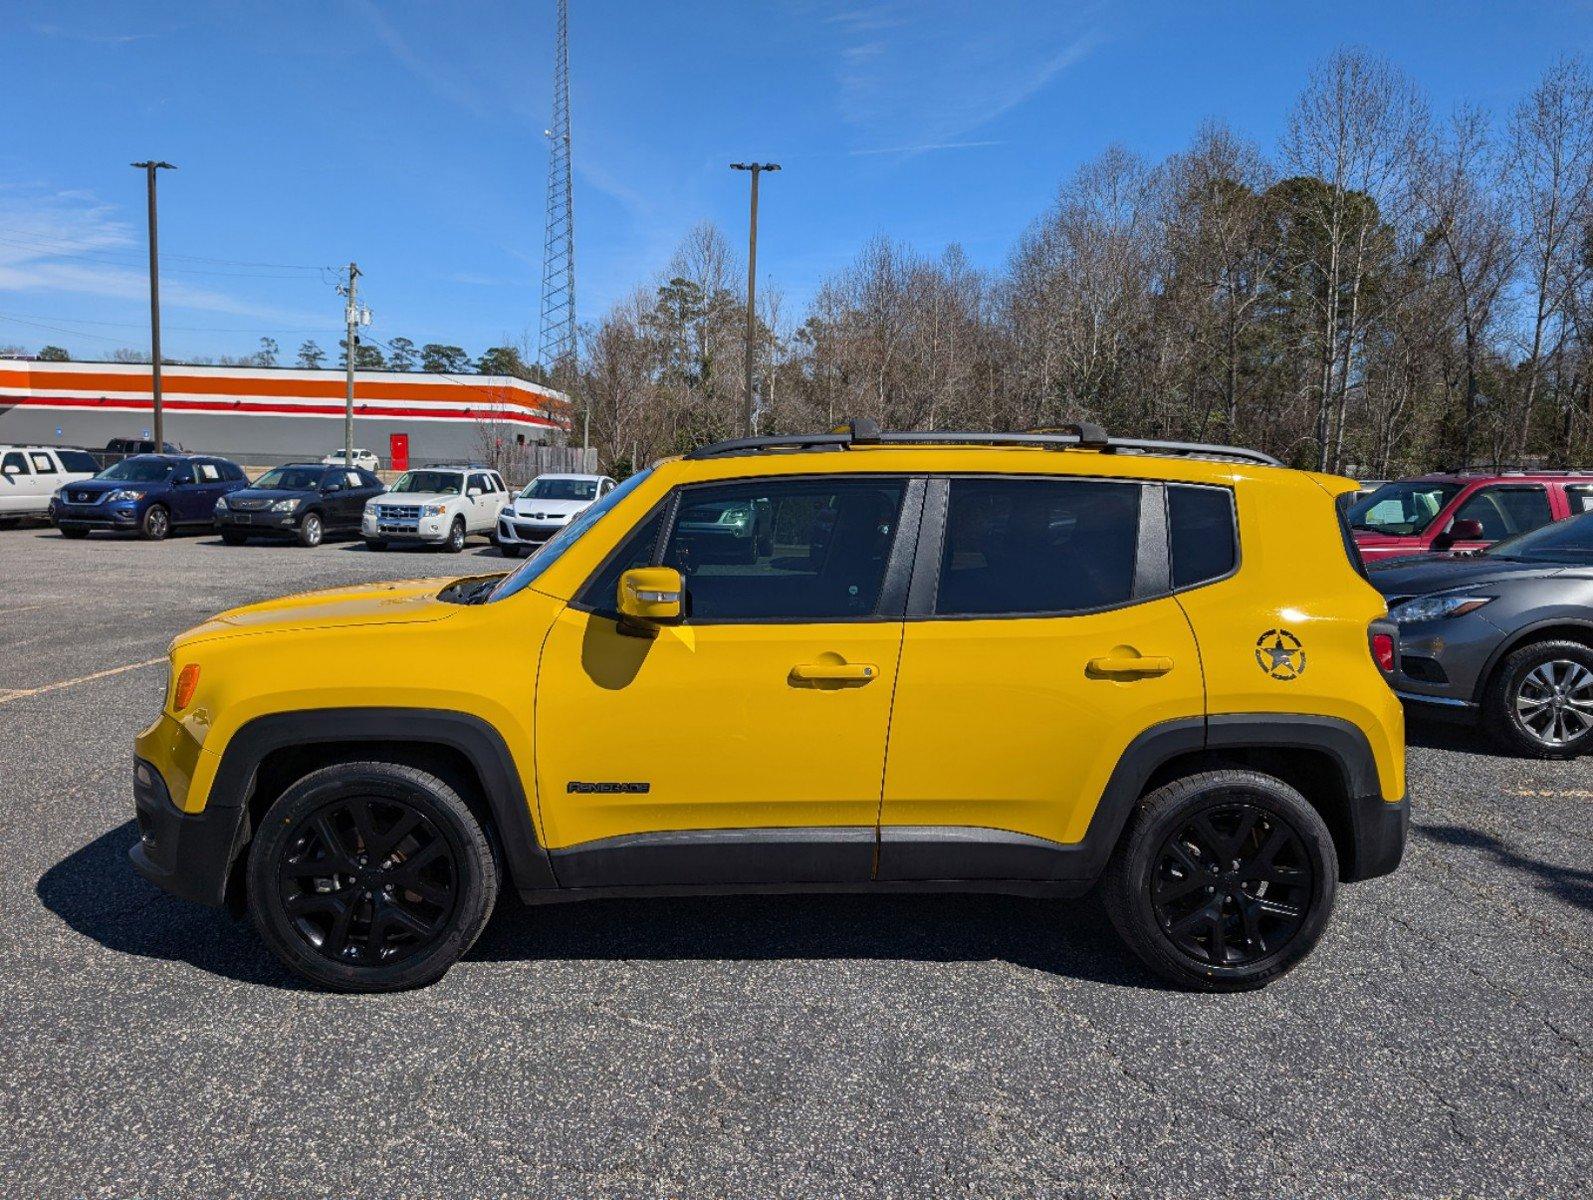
x=12 y=469
x=1465 y=530
x=474 y=492
x=651 y=595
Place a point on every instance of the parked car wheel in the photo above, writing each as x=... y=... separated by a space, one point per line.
x=68 y=532
x=371 y=877
x=310 y=529
x=156 y=524
x=233 y=537
x=1222 y=881
x=1540 y=701
x=456 y=536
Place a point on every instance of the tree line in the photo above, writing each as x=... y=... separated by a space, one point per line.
x=1388 y=290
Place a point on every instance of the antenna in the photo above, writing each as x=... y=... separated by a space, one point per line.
x=556 y=344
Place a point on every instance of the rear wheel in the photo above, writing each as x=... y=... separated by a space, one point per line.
x=310 y=529
x=371 y=877
x=1223 y=881
x=156 y=524
x=1540 y=702
x=456 y=536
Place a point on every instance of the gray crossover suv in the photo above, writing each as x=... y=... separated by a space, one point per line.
x=1505 y=635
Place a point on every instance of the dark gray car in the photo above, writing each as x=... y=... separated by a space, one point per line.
x=1505 y=635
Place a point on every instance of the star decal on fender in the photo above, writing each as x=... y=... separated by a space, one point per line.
x=1280 y=654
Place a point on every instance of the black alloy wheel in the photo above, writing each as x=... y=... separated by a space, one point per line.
x=1223 y=880
x=367 y=881
x=156 y=524
x=1231 y=885
x=371 y=877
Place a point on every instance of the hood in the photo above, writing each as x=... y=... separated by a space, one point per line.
x=1441 y=572
x=98 y=487
x=407 y=602
x=401 y=499
x=530 y=506
x=263 y=496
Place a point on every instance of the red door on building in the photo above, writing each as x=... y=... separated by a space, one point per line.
x=398 y=451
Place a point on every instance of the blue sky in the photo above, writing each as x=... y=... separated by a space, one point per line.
x=408 y=135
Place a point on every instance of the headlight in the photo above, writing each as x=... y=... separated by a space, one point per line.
x=284 y=505
x=114 y=497
x=432 y=510
x=1432 y=608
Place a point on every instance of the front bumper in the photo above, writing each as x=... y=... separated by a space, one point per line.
x=188 y=854
x=263 y=521
x=122 y=515
x=423 y=529
x=516 y=531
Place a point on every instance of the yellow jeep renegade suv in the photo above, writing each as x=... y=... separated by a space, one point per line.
x=851 y=661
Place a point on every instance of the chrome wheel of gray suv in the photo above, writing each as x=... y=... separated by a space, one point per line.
x=1541 y=700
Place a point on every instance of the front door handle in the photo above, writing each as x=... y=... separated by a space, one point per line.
x=1131 y=664
x=828 y=672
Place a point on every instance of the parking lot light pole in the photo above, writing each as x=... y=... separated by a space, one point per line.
x=749 y=412
x=149 y=168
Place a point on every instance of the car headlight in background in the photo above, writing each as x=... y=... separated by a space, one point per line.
x=1433 y=608
x=432 y=510
x=284 y=505
x=117 y=497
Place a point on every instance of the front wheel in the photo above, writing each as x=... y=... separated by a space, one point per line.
x=1222 y=881
x=156 y=523
x=310 y=530
x=456 y=536
x=371 y=877
x=1540 y=702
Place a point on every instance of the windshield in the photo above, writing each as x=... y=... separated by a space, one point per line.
x=1567 y=541
x=429 y=481
x=550 y=488
x=139 y=470
x=1402 y=508
x=564 y=539
x=291 y=479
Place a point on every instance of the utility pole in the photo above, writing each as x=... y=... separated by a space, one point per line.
x=748 y=409
x=353 y=317
x=149 y=168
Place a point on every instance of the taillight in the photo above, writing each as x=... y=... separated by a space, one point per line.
x=1383 y=639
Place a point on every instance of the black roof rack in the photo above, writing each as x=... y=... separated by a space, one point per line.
x=1082 y=436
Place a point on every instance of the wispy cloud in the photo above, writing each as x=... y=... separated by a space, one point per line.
x=445 y=85
x=91 y=36
x=927 y=147
x=922 y=74
x=70 y=242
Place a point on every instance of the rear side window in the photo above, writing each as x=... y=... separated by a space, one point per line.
x=1037 y=546
x=1580 y=499
x=1205 y=545
x=208 y=472
x=77 y=462
x=42 y=463
x=1505 y=511
x=231 y=471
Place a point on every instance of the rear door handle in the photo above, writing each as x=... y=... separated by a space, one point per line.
x=823 y=672
x=1139 y=664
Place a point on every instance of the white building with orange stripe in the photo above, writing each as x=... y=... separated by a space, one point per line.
x=270 y=414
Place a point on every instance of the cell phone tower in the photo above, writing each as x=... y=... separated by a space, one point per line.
x=556 y=345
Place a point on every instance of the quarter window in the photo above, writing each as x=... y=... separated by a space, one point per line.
x=77 y=462
x=1201 y=530
x=1037 y=546
x=1506 y=511
x=785 y=549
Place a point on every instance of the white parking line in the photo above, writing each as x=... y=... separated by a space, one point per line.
x=9 y=694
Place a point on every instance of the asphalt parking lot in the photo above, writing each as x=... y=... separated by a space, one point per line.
x=1439 y=1042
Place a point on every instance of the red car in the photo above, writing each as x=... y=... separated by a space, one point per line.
x=1453 y=511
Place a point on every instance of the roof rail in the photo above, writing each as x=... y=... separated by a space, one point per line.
x=1081 y=436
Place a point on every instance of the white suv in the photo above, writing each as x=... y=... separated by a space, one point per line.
x=437 y=505
x=544 y=507
x=364 y=460
x=31 y=475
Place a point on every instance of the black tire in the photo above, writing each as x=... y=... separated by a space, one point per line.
x=68 y=531
x=1539 y=702
x=311 y=530
x=233 y=537
x=156 y=523
x=456 y=536
x=1249 y=924
x=375 y=544
x=401 y=923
